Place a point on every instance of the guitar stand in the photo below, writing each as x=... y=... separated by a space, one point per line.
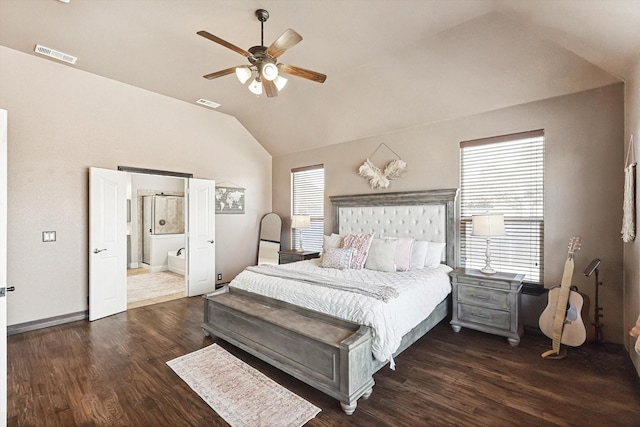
x=593 y=268
x=552 y=354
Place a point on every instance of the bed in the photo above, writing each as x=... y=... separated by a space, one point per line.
x=287 y=317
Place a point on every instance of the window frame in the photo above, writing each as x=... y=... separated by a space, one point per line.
x=312 y=237
x=476 y=158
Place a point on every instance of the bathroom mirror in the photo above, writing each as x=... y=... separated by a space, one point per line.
x=269 y=238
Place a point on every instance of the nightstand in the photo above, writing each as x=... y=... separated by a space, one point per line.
x=287 y=256
x=487 y=302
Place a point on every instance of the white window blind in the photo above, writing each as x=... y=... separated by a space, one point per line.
x=307 y=198
x=505 y=175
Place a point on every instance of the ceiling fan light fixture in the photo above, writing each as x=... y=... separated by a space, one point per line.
x=255 y=87
x=269 y=71
x=264 y=72
x=280 y=82
x=243 y=74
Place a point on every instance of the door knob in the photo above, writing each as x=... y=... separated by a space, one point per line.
x=210 y=241
x=97 y=251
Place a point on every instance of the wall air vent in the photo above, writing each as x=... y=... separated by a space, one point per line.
x=207 y=103
x=55 y=54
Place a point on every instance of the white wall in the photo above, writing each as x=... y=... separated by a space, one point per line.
x=583 y=180
x=632 y=249
x=160 y=246
x=63 y=121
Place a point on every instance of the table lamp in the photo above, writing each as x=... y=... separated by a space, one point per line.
x=300 y=222
x=488 y=225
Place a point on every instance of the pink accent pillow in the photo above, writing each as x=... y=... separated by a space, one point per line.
x=361 y=243
x=403 y=252
x=339 y=258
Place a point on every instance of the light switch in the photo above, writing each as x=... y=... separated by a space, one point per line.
x=48 y=236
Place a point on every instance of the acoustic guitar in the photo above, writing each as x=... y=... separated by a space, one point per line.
x=561 y=320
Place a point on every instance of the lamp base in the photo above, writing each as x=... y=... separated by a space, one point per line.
x=487 y=269
x=300 y=250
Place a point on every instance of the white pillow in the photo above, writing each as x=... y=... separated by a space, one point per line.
x=418 y=254
x=434 y=254
x=339 y=258
x=403 y=252
x=333 y=241
x=382 y=254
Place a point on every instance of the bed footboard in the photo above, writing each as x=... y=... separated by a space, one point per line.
x=328 y=353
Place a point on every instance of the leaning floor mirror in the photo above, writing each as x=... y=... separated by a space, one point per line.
x=270 y=237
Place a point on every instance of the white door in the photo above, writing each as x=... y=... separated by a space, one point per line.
x=107 y=242
x=201 y=233
x=3 y=267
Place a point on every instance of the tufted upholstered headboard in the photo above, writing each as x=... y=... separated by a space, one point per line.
x=426 y=215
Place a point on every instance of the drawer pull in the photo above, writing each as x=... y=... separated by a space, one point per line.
x=482 y=297
x=482 y=316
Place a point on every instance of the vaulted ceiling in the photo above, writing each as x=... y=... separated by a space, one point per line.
x=391 y=65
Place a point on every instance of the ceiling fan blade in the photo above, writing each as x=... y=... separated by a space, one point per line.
x=287 y=40
x=270 y=88
x=220 y=73
x=224 y=43
x=301 y=72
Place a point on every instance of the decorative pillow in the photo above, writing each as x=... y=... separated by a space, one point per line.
x=434 y=254
x=333 y=241
x=361 y=243
x=382 y=254
x=418 y=254
x=403 y=252
x=339 y=258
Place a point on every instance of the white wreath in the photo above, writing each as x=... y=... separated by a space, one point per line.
x=378 y=178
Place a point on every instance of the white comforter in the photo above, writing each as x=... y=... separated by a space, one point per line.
x=420 y=291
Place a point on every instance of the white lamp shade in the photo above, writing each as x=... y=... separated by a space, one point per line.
x=255 y=87
x=269 y=71
x=243 y=74
x=280 y=82
x=300 y=221
x=488 y=225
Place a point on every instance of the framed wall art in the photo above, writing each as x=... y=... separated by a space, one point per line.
x=229 y=200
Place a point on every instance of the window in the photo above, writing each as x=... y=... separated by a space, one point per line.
x=505 y=174
x=307 y=198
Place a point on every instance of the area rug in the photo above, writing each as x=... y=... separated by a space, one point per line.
x=153 y=285
x=239 y=393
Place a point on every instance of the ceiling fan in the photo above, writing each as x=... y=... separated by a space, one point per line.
x=264 y=69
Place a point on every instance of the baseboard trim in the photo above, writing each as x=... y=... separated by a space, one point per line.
x=46 y=323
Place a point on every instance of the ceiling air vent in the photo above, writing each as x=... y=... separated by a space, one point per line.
x=55 y=54
x=207 y=103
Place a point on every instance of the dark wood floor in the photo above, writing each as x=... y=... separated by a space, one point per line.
x=113 y=372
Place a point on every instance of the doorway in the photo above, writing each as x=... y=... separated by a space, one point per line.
x=156 y=240
x=108 y=237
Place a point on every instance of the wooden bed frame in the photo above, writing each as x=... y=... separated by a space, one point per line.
x=331 y=354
